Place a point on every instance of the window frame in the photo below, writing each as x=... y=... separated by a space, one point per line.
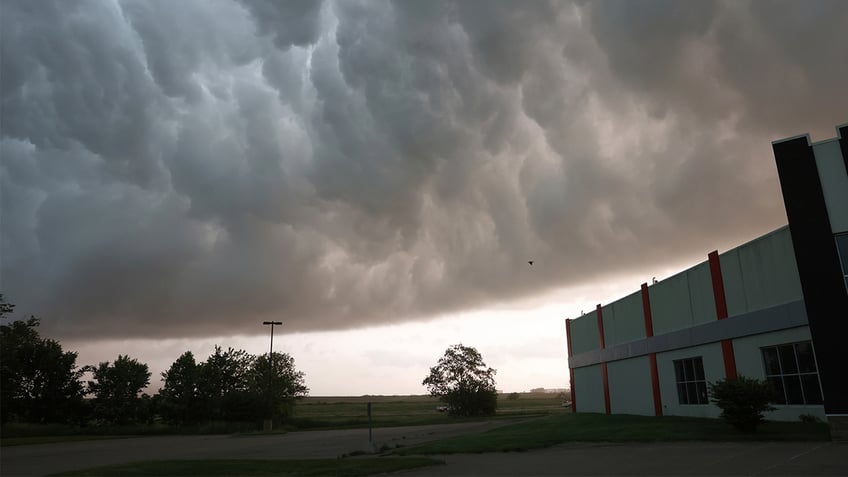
x=690 y=392
x=794 y=377
x=842 y=239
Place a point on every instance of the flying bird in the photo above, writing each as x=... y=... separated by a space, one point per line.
x=530 y=262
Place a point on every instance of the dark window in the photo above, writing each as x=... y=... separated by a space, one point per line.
x=842 y=247
x=691 y=385
x=791 y=371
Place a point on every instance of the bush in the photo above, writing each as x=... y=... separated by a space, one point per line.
x=483 y=402
x=809 y=418
x=742 y=401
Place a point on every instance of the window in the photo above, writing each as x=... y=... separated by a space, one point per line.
x=791 y=371
x=691 y=385
x=842 y=247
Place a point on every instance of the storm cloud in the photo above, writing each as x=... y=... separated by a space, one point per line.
x=188 y=168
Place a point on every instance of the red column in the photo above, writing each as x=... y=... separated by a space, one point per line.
x=603 y=363
x=721 y=313
x=649 y=332
x=570 y=369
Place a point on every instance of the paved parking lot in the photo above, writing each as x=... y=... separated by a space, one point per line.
x=45 y=459
x=662 y=459
x=678 y=458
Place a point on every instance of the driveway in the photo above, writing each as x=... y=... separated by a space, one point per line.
x=674 y=458
x=45 y=459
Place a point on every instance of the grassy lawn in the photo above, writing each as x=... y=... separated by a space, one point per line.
x=305 y=467
x=24 y=441
x=556 y=429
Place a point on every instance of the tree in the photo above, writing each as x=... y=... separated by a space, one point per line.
x=463 y=381
x=286 y=384
x=39 y=382
x=5 y=308
x=179 y=399
x=117 y=389
x=224 y=385
x=742 y=401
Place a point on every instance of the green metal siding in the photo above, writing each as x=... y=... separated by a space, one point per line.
x=769 y=272
x=701 y=294
x=623 y=320
x=670 y=305
x=584 y=334
x=734 y=290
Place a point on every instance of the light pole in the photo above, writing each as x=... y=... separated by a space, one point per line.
x=270 y=423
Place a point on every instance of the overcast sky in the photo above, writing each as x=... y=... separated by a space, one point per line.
x=177 y=172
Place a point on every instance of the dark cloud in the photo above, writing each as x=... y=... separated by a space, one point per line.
x=175 y=168
x=291 y=23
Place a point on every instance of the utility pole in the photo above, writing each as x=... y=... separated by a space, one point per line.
x=269 y=424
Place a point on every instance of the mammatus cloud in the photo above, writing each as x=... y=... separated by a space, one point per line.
x=175 y=168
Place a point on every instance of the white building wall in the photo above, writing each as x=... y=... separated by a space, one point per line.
x=761 y=273
x=584 y=334
x=624 y=320
x=670 y=306
x=749 y=363
x=713 y=371
x=630 y=386
x=683 y=300
x=834 y=182
x=589 y=389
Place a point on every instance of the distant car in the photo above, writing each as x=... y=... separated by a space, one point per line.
x=566 y=404
x=442 y=408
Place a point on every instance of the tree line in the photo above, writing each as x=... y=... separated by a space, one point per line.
x=41 y=383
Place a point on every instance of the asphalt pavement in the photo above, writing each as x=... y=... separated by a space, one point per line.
x=644 y=459
x=43 y=459
x=649 y=459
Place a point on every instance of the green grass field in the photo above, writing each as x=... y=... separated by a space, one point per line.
x=556 y=429
x=352 y=412
x=310 y=413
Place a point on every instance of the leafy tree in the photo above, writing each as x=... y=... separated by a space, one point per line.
x=39 y=382
x=742 y=401
x=224 y=385
x=179 y=399
x=286 y=384
x=5 y=308
x=231 y=385
x=463 y=381
x=117 y=389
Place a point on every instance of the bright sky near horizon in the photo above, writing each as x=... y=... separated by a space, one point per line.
x=377 y=174
x=524 y=342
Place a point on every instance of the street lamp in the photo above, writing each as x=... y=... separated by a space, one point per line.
x=272 y=323
x=270 y=423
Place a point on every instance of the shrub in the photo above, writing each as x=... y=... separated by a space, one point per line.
x=808 y=418
x=742 y=401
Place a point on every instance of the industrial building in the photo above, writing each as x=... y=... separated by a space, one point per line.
x=775 y=308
